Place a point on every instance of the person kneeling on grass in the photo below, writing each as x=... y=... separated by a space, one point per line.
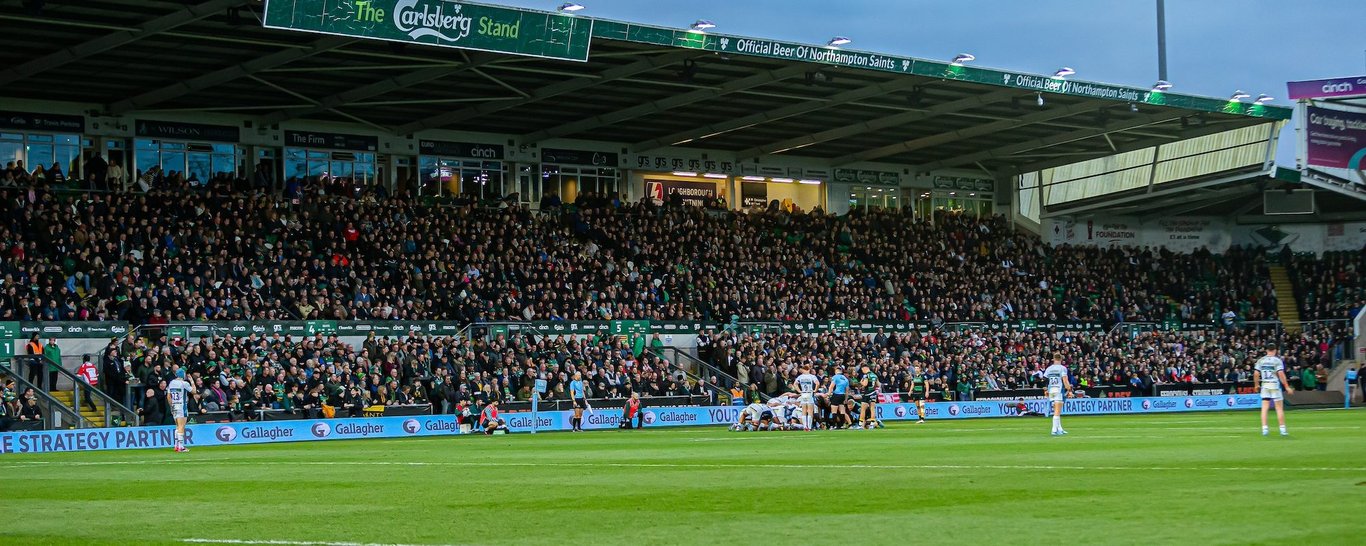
x=1022 y=410
x=489 y=418
x=630 y=411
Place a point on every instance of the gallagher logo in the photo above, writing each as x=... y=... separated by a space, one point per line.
x=321 y=430
x=440 y=425
x=1230 y=401
x=900 y=411
x=1190 y=403
x=411 y=426
x=225 y=434
x=976 y=410
x=1147 y=404
x=362 y=429
x=649 y=417
x=953 y=410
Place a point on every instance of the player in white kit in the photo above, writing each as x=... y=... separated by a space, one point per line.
x=1271 y=376
x=178 y=397
x=1059 y=388
x=750 y=417
x=780 y=407
x=806 y=385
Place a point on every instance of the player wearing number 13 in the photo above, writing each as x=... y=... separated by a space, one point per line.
x=1271 y=376
x=177 y=398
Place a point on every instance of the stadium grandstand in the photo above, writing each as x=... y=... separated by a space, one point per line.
x=328 y=220
x=242 y=171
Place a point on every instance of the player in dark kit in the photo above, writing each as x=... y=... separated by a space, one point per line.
x=869 y=388
x=920 y=388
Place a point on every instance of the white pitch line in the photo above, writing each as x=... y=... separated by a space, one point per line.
x=295 y=542
x=496 y=464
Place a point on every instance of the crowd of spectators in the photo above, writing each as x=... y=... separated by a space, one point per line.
x=18 y=410
x=184 y=255
x=1331 y=286
x=302 y=375
x=242 y=375
x=174 y=250
x=960 y=363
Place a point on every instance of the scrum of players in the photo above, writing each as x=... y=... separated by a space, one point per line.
x=813 y=405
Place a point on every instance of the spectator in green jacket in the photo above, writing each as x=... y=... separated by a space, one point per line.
x=1307 y=380
x=54 y=356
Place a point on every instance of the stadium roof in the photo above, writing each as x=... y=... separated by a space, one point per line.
x=644 y=85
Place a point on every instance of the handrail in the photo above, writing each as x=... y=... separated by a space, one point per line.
x=79 y=387
x=45 y=399
x=703 y=370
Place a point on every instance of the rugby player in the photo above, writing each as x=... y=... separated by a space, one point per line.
x=1271 y=376
x=920 y=389
x=868 y=406
x=177 y=398
x=806 y=385
x=1059 y=387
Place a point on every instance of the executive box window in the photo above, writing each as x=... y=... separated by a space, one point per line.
x=36 y=149
x=445 y=176
x=875 y=198
x=969 y=203
x=571 y=181
x=303 y=162
x=199 y=162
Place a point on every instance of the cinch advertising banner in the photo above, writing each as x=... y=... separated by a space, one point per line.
x=547 y=421
x=1334 y=87
x=95 y=439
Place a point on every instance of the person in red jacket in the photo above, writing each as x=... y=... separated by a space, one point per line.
x=489 y=418
x=632 y=411
x=91 y=376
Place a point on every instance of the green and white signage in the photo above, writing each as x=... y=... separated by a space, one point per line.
x=446 y=23
x=792 y=51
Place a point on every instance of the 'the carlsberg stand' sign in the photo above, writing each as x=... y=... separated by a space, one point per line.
x=446 y=23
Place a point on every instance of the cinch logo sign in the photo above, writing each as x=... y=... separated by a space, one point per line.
x=1342 y=87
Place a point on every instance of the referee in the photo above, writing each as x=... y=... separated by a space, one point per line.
x=576 y=393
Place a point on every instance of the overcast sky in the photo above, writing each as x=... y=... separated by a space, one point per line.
x=1213 y=46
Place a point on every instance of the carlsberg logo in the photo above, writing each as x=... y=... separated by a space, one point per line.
x=445 y=20
x=436 y=18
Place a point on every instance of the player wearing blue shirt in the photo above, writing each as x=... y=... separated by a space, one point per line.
x=838 y=391
x=576 y=393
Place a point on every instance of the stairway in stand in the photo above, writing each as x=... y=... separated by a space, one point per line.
x=96 y=417
x=1286 y=305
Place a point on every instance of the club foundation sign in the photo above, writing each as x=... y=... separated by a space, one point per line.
x=447 y=23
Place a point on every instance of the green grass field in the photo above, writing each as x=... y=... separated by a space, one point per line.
x=1182 y=478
